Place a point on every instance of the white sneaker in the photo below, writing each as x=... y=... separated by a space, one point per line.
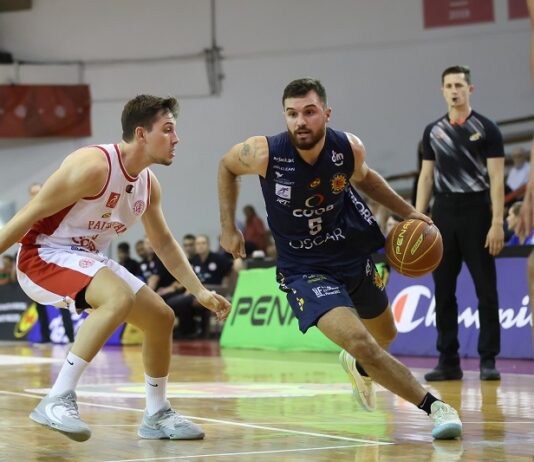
x=61 y=413
x=447 y=423
x=363 y=388
x=168 y=424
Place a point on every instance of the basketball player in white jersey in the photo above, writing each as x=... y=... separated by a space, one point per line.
x=97 y=193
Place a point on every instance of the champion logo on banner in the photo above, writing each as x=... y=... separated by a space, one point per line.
x=112 y=200
x=415 y=306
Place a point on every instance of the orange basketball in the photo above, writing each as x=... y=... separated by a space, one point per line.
x=414 y=248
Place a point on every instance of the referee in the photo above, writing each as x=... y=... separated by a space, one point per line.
x=463 y=164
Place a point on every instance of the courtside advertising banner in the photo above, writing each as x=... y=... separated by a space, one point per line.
x=262 y=318
x=413 y=305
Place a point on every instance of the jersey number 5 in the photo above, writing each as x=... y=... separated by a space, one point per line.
x=315 y=224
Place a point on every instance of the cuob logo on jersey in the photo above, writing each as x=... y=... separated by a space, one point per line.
x=415 y=305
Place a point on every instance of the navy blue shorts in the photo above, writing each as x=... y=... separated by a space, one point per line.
x=312 y=295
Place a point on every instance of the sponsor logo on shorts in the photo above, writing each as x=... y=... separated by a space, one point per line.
x=86 y=263
x=139 y=208
x=112 y=200
x=325 y=291
x=377 y=280
x=300 y=301
x=312 y=278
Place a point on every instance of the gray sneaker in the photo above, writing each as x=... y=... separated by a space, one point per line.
x=168 y=424
x=447 y=423
x=61 y=413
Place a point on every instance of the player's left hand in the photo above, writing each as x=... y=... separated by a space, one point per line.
x=420 y=216
x=215 y=302
x=495 y=239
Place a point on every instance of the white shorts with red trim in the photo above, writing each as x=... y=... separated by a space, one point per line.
x=52 y=276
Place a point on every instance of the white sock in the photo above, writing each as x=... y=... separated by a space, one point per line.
x=156 y=394
x=69 y=375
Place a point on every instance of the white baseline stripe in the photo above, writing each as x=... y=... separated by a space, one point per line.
x=222 y=454
x=225 y=422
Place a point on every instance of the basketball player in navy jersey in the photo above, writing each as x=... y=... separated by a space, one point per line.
x=96 y=194
x=324 y=235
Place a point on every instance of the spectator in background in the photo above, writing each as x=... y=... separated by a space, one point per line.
x=254 y=231
x=158 y=277
x=44 y=321
x=140 y=250
x=512 y=221
x=518 y=174
x=7 y=270
x=188 y=244
x=214 y=271
x=123 y=256
x=147 y=264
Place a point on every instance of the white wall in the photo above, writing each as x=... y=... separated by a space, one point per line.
x=380 y=67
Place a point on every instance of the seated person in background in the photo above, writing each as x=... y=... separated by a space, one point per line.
x=215 y=272
x=146 y=254
x=517 y=176
x=161 y=281
x=511 y=220
x=6 y=271
x=123 y=257
x=254 y=231
x=188 y=245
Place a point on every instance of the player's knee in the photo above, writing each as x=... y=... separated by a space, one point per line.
x=167 y=316
x=389 y=335
x=122 y=302
x=361 y=346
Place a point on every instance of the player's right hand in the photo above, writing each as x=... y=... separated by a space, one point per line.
x=233 y=242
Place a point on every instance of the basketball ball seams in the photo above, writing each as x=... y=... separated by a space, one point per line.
x=436 y=237
x=414 y=248
x=409 y=243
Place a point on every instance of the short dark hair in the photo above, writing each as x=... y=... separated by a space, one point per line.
x=142 y=111
x=124 y=246
x=188 y=236
x=457 y=70
x=515 y=208
x=301 y=87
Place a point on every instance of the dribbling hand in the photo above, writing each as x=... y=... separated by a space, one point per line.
x=233 y=242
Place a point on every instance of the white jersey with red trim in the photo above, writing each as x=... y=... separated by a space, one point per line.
x=93 y=222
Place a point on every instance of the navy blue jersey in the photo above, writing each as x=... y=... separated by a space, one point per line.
x=318 y=220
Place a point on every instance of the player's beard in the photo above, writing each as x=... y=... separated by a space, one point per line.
x=307 y=145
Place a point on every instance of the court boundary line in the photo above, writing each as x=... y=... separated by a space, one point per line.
x=220 y=421
x=224 y=454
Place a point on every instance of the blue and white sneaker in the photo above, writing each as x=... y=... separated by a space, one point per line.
x=168 y=424
x=61 y=413
x=363 y=388
x=447 y=423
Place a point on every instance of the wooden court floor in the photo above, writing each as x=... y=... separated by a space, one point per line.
x=255 y=406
